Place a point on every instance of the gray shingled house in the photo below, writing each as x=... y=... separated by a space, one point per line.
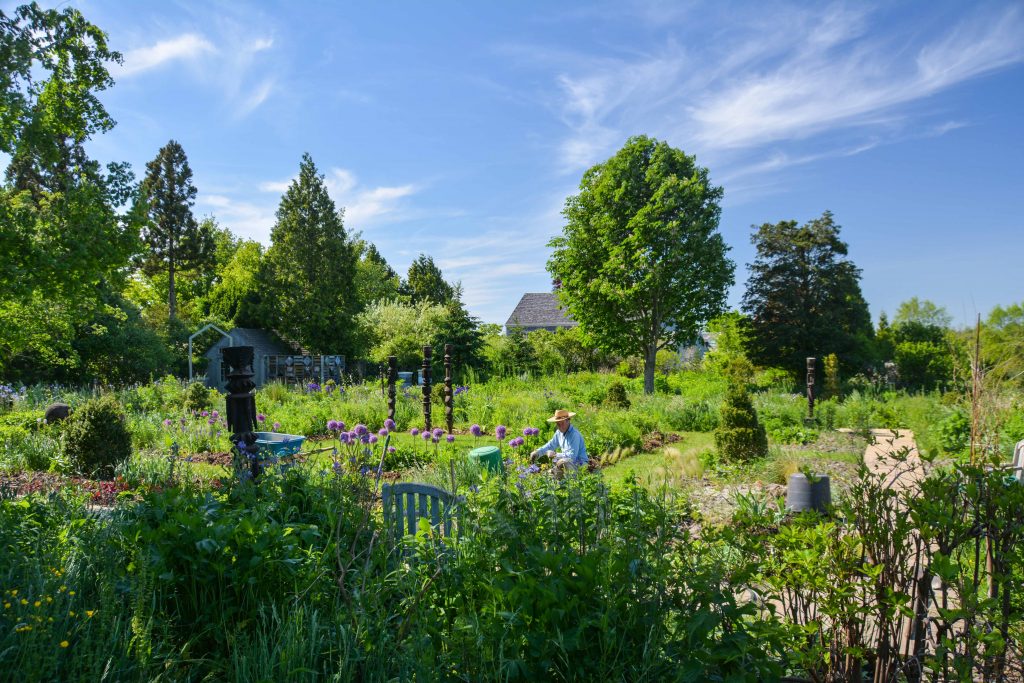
x=539 y=311
x=264 y=345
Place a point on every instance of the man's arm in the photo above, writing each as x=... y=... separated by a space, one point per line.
x=575 y=448
x=549 y=446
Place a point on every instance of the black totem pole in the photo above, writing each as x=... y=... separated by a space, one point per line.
x=427 y=351
x=810 y=389
x=392 y=378
x=241 y=404
x=448 y=396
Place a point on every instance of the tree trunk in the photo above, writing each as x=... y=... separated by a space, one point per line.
x=172 y=302
x=650 y=359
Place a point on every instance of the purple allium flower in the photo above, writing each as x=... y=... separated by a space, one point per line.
x=450 y=438
x=260 y=417
x=414 y=432
x=168 y=422
x=499 y=432
x=438 y=432
x=373 y=438
x=205 y=413
x=435 y=439
x=383 y=431
x=361 y=429
x=527 y=431
x=343 y=437
x=332 y=425
x=215 y=414
x=277 y=425
x=390 y=425
x=392 y=450
x=426 y=436
x=212 y=420
x=365 y=438
x=475 y=430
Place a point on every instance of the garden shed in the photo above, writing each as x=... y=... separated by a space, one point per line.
x=264 y=344
x=539 y=311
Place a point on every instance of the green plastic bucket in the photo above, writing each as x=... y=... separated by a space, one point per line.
x=487 y=456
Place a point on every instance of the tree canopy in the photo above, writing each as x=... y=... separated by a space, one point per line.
x=175 y=241
x=641 y=263
x=803 y=297
x=425 y=282
x=309 y=270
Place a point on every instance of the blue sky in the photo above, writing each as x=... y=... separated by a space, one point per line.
x=458 y=129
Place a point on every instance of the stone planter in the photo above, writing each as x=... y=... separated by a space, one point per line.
x=802 y=494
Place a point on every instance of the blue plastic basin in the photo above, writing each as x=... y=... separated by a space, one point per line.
x=278 y=445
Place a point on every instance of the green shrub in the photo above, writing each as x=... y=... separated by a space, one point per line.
x=617 y=397
x=740 y=436
x=694 y=416
x=955 y=432
x=96 y=438
x=197 y=398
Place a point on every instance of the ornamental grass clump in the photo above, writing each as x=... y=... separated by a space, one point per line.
x=740 y=436
x=96 y=438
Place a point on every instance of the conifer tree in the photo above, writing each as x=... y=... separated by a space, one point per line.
x=175 y=241
x=740 y=436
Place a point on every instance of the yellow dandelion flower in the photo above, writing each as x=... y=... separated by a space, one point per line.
x=49 y=599
x=73 y=614
x=36 y=603
x=14 y=591
x=63 y=588
x=89 y=612
x=64 y=643
x=24 y=601
x=71 y=592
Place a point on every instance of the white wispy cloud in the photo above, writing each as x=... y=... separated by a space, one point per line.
x=777 y=77
x=247 y=219
x=185 y=46
x=364 y=206
x=225 y=59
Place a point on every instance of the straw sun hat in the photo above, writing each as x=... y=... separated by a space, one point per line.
x=560 y=414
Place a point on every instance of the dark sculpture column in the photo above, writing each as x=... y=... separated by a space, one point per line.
x=426 y=387
x=810 y=389
x=448 y=397
x=392 y=378
x=241 y=403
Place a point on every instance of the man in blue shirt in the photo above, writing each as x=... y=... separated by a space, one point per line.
x=565 y=449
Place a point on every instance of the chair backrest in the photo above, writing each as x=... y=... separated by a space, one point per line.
x=1018 y=462
x=405 y=504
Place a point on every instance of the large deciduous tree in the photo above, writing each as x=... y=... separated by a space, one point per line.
x=308 y=271
x=175 y=241
x=803 y=297
x=641 y=264
x=64 y=240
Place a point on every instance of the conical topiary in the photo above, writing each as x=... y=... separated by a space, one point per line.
x=740 y=436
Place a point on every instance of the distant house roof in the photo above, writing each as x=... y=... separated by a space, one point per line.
x=264 y=342
x=540 y=309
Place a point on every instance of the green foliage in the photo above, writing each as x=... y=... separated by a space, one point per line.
x=640 y=261
x=375 y=280
x=955 y=432
x=175 y=242
x=739 y=436
x=922 y=312
x=803 y=296
x=236 y=296
x=830 y=364
x=197 y=397
x=424 y=283
x=617 y=397
x=308 y=272
x=1002 y=338
x=393 y=328
x=95 y=437
x=925 y=355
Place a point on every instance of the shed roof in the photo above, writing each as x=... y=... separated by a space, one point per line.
x=262 y=341
x=540 y=309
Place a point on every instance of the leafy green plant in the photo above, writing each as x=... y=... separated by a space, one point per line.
x=616 y=396
x=197 y=397
x=740 y=436
x=96 y=438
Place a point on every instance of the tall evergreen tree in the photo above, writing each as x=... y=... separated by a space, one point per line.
x=424 y=282
x=175 y=241
x=803 y=296
x=309 y=269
